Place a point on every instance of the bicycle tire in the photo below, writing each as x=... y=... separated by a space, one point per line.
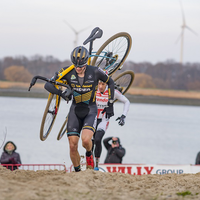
x=49 y=116
x=63 y=129
x=124 y=81
x=120 y=45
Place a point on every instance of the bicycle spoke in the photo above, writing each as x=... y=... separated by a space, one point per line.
x=112 y=54
x=124 y=81
x=49 y=116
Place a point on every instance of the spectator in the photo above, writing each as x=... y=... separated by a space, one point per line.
x=115 y=150
x=9 y=156
x=198 y=159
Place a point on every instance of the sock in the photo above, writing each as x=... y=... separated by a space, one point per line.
x=97 y=162
x=77 y=169
x=88 y=153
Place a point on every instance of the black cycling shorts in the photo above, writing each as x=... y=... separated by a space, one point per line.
x=81 y=117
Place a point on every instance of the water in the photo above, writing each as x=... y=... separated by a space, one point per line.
x=153 y=134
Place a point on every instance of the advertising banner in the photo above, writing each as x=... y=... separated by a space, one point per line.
x=140 y=169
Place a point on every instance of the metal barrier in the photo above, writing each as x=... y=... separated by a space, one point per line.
x=35 y=167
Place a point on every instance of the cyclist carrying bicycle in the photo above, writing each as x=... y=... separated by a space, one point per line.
x=83 y=82
x=102 y=121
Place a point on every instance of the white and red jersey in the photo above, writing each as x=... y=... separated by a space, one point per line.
x=102 y=101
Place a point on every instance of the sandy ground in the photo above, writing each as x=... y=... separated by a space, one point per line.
x=89 y=184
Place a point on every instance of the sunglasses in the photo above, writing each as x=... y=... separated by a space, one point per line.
x=80 y=66
x=115 y=142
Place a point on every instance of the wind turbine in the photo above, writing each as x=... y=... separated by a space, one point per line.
x=75 y=32
x=183 y=27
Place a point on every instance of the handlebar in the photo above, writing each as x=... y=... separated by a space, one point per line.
x=52 y=80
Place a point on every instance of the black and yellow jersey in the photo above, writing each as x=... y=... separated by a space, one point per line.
x=86 y=92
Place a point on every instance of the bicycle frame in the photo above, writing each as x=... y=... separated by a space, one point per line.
x=110 y=61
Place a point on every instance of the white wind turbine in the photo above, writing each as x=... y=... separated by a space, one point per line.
x=75 y=32
x=183 y=27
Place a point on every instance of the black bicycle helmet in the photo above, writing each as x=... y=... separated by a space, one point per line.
x=79 y=56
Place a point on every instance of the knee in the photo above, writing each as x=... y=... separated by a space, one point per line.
x=99 y=135
x=86 y=142
x=73 y=147
x=97 y=140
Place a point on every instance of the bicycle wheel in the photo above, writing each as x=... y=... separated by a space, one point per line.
x=49 y=116
x=63 y=129
x=112 y=54
x=124 y=81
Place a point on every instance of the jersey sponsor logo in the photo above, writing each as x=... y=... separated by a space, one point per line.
x=82 y=89
x=72 y=85
x=105 y=94
x=86 y=85
x=73 y=77
x=95 y=123
x=74 y=81
x=89 y=81
x=89 y=76
x=100 y=106
x=101 y=99
x=60 y=72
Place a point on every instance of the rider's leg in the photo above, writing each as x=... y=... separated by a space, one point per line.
x=98 y=146
x=86 y=137
x=74 y=154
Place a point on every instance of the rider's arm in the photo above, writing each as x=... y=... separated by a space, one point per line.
x=124 y=100
x=52 y=89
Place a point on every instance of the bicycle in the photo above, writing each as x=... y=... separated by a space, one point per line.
x=111 y=65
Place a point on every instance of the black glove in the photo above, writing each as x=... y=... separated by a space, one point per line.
x=121 y=120
x=67 y=94
x=109 y=110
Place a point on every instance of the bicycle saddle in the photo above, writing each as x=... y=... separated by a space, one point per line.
x=96 y=33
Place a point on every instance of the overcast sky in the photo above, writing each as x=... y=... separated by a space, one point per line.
x=37 y=27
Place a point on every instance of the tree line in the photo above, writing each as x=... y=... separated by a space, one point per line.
x=162 y=75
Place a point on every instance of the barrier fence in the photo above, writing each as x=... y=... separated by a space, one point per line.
x=140 y=169
x=133 y=169
x=35 y=167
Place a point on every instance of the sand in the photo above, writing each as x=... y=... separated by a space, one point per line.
x=89 y=184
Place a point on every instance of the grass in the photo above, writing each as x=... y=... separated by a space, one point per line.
x=184 y=193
